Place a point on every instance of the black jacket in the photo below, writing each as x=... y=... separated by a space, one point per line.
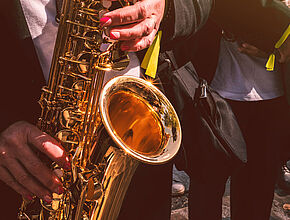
x=202 y=49
x=258 y=22
x=22 y=77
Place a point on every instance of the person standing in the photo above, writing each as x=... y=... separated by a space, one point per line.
x=257 y=98
x=30 y=31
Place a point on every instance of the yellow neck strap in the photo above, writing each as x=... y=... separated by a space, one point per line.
x=150 y=61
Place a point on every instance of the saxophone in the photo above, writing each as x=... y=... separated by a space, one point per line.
x=106 y=130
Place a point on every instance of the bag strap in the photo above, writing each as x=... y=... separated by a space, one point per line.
x=166 y=59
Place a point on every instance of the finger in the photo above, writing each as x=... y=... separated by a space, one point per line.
x=11 y=182
x=133 y=31
x=245 y=50
x=126 y=15
x=248 y=52
x=252 y=51
x=249 y=46
x=39 y=170
x=48 y=145
x=138 y=44
x=23 y=132
x=28 y=181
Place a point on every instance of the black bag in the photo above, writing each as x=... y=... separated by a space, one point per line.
x=211 y=137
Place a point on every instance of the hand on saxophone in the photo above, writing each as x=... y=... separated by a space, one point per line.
x=22 y=169
x=135 y=25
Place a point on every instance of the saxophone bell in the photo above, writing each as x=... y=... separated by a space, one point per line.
x=138 y=125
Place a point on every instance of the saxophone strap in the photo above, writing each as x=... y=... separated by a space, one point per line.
x=150 y=61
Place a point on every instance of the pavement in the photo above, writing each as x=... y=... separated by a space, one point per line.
x=280 y=206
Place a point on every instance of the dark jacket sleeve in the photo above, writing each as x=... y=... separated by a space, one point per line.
x=183 y=18
x=21 y=73
x=258 y=22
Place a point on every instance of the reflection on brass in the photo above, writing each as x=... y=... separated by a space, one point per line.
x=68 y=138
x=136 y=123
x=78 y=88
x=55 y=205
x=84 y=58
x=105 y=131
x=93 y=39
x=69 y=118
x=97 y=7
x=140 y=119
x=122 y=63
x=120 y=60
x=106 y=3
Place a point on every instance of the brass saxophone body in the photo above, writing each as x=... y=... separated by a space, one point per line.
x=106 y=130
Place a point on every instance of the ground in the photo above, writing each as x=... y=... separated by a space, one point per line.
x=280 y=207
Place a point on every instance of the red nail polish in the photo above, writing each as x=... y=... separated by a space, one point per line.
x=57 y=180
x=60 y=190
x=67 y=166
x=115 y=35
x=106 y=21
x=47 y=199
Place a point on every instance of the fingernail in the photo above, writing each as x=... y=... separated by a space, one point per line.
x=47 y=199
x=105 y=21
x=124 y=47
x=67 y=166
x=60 y=190
x=115 y=35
